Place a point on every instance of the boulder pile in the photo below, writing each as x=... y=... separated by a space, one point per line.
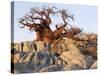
x=68 y=54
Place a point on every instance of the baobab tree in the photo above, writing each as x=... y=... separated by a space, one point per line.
x=39 y=20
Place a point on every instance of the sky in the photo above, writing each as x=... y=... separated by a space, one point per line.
x=86 y=17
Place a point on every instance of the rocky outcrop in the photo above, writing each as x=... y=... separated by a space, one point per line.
x=15 y=58
x=68 y=54
x=28 y=46
x=94 y=65
x=73 y=54
x=39 y=45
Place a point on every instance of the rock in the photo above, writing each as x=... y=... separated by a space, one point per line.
x=92 y=37
x=69 y=58
x=15 y=58
x=45 y=69
x=33 y=57
x=82 y=36
x=27 y=59
x=26 y=46
x=14 y=51
x=78 y=61
x=23 y=57
x=39 y=45
x=73 y=54
x=32 y=46
x=53 y=68
x=22 y=54
x=75 y=67
x=68 y=66
x=70 y=46
x=90 y=60
x=92 y=50
x=71 y=66
x=63 y=47
x=94 y=65
x=82 y=50
x=16 y=46
x=21 y=67
x=21 y=46
x=40 y=56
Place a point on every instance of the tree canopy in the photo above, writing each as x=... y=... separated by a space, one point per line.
x=39 y=20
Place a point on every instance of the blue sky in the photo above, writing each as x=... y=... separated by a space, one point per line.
x=85 y=18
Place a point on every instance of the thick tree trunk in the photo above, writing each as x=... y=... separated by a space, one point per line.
x=39 y=36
